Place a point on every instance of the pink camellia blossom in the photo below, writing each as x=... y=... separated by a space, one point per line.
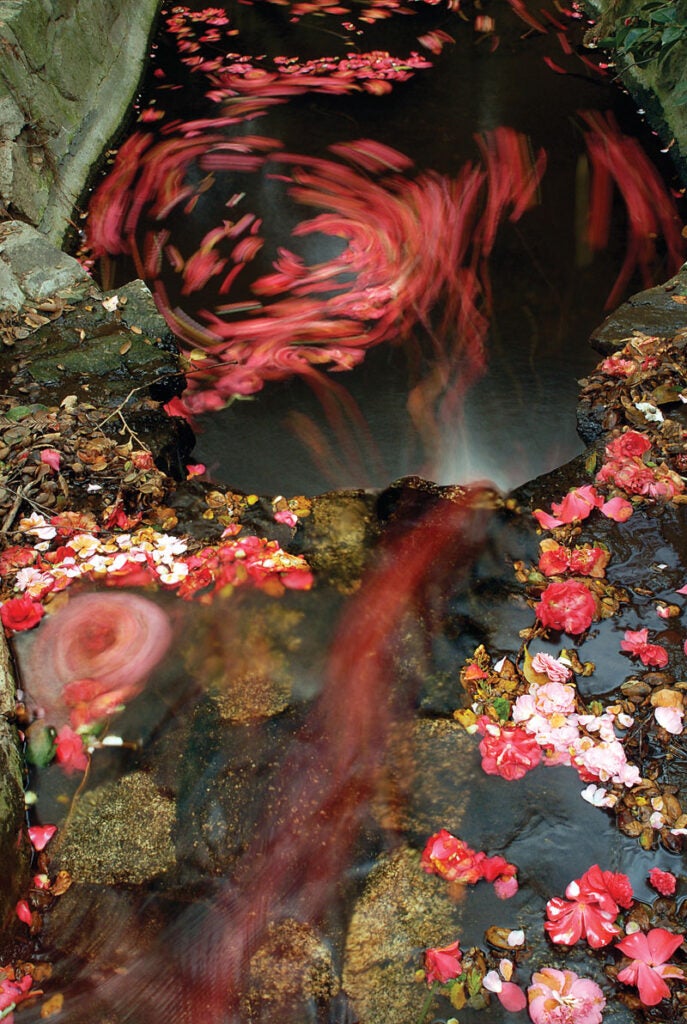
x=40 y=835
x=631 y=444
x=616 y=366
x=649 y=952
x=671 y=719
x=508 y=751
x=562 y=997
x=636 y=642
x=69 y=751
x=443 y=964
x=591 y=908
x=554 y=668
x=450 y=858
x=568 y=606
x=664 y=882
x=575 y=506
x=287 y=517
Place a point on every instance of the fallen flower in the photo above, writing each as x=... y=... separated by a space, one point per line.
x=649 y=952
x=443 y=964
x=562 y=997
x=69 y=751
x=636 y=642
x=497 y=870
x=510 y=995
x=567 y=606
x=40 y=835
x=20 y=613
x=450 y=858
x=507 y=751
x=556 y=669
x=13 y=991
x=590 y=910
x=663 y=882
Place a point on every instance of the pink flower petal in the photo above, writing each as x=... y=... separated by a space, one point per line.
x=512 y=997
x=23 y=912
x=40 y=835
x=51 y=457
x=618 y=509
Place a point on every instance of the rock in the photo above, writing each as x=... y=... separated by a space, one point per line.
x=14 y=855
x=32 y=270
x=119 y=833
x=58 y=115
x=659 y=310
x=401 y=912
x=338 y=536
x=290 y=977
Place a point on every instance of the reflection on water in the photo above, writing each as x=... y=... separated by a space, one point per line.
x=293 y=212
x=265 y=767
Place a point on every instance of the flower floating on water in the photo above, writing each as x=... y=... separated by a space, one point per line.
x=562 y=997
x=507 y=750
x=636 y=642
x=664 y=882
x=69 y=751
x=590 y=912
x=40 y=835
x=649 y=953
x=95 y=654
x=443 y=964
x=451 y=858
x=568 y=606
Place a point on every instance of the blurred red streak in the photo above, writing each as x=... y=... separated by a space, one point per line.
x=294 y=865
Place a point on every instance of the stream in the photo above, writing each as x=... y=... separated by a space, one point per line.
x=444 y=238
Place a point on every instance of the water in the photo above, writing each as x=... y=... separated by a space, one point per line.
x=507 y=421
x=275 y=760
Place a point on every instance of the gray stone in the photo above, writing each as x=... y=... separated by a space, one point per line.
x=38 y=270
x=69 y=71
x=11 y=295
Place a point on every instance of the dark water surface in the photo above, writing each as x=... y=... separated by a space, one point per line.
x=548 y=289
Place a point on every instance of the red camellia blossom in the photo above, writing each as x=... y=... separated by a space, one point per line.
x=21 y=613
x=443 y=964
x=451 y=858
x=631 y=444
x=648 y=968
x=567 y=606
x=664 y=882
x=497 y=870
x=507 y=751
x=590 y=910
x=636 y=642
x=69 y=751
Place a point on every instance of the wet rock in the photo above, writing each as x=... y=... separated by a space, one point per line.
x=31 y=269
x=655 y=311
x=14 y=855
x=291 y=977
x=102 y=355
x=401 y=912
x=119 y=833
x=338 y=536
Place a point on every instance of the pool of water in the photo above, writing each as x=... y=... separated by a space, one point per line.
x=418 y=404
